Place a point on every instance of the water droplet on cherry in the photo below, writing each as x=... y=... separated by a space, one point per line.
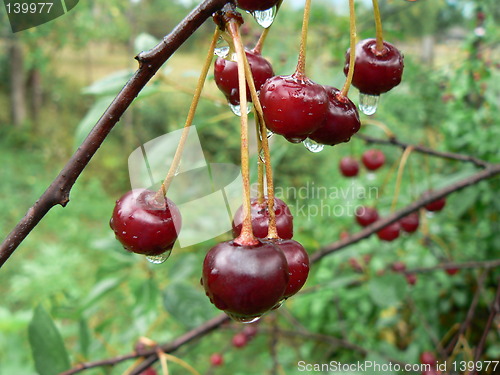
x=158 y=259
x=368 y=103
x=237 y=108
x=265 y=18
x=313 y=146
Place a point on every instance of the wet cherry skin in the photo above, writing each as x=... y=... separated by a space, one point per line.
x=245 y=281
x=298 y=265
x=226 y=75
x=349 y=167
x=260 y=219
x=366 y=215
x=436 y=205
x=373 y=159
x=390 y=232
x=149 y=371
x=452 y=271
x=342 y=120
x=428 y=358
x=252 y=5
x=293 y=106
x=143 y=225
x=216 y=359
x=375 y=72
x=410 y=222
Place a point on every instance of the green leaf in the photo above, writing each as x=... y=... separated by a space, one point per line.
x=84 y=336
x=387 y=290
x=144 y=42
x=47 y=346
x=90 y=119
x=188 y=305
x=100 y=290
x=109 y=85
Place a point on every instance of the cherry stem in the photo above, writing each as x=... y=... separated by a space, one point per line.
x=264 y=145
x=260 y=43
x=352 y=49
x=162 y=193
x=260 y=164
x=301 y=64
x=246 y=237
x=381 y=126
x=378 y=26
x=399 y=178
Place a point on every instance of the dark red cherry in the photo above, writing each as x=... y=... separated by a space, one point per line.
x=226 y=75
x=366 y=215
x=293 y=106
x=250 y=330
x=452 y=271
x=149 y=371
x=252 y=5
x=260 y=219
x=342 y=120
x=239 y=340
x=410 y=222
x=298 y=265
x=245 y=281
x=390 y=232
x=144 y=225
x=216 y=359
x=375 y=72
x=398 y=266
x=428 y=358
x=411 y=278
x=373 y=159
x=349 y=167
x=436 y=205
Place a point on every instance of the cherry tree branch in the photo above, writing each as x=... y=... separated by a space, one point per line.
x=149 y=63
x=491 y=171
x=425 y=150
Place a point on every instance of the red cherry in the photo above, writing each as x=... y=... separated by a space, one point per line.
x=250 y=330
x=411 y=278
x=226 y=75
x=239 y=340
x=366 y=216
x=245 y=281
x=149 y=371
x=342 y=120
x=298 y=265
x=252 y=5
x=260 y=219
x=143 y=225
x=389 y=233
x=398 y=266
x=216 y=359
x=375 y=72
x=410 y=222
x=349 y=166
x=436 y=205
x=373 y=159
x=293 y=106
x=428 y=358
x=452 y=271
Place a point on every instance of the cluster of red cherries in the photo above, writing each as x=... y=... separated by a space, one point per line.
x=249 y=276
x=298 y=108
x=372 y=159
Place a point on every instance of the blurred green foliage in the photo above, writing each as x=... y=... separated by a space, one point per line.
x=102 y=299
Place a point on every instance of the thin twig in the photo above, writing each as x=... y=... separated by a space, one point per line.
x=149 y=63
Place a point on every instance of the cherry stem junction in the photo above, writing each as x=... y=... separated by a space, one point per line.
x=161 y=194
